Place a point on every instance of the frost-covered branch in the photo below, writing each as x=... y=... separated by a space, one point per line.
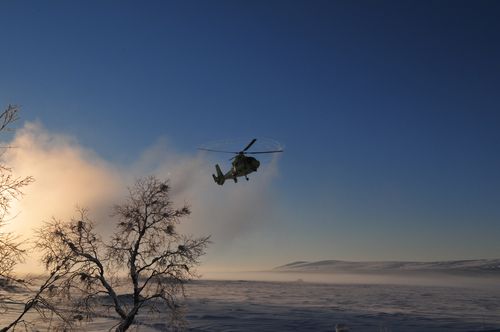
x=156 y=260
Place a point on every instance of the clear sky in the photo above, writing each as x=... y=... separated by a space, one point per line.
x=389 y=111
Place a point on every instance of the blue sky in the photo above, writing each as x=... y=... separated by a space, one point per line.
x=389 y=111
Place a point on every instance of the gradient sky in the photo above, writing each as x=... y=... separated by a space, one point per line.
x=389 y=111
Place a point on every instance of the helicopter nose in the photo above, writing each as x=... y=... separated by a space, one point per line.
x=256 y=164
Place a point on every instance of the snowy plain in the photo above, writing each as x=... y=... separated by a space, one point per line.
x=293 y=301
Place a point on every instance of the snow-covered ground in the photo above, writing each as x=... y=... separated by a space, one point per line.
x=301 y=306
x=238 y=305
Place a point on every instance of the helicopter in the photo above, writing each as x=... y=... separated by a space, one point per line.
x=242 y=165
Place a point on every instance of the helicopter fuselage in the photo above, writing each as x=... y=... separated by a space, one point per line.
x=243 y=165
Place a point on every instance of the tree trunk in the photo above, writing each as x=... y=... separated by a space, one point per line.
x=125 y=324
x=128 y=321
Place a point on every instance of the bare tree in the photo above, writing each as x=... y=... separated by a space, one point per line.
x=11 y=252
x=146 y=257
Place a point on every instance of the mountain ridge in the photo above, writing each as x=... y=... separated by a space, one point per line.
x=468 y=265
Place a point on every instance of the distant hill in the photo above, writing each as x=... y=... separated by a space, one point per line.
x=460 y=266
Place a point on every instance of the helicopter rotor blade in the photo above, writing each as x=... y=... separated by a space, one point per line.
x=249 y=145
x=260 y=152
x=203 y=149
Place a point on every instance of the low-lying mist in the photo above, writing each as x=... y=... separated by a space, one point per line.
x=416 y=279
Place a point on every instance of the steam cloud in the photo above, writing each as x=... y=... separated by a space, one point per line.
x=68 y=175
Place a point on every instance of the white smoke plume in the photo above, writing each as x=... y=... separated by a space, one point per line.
x=68 y=175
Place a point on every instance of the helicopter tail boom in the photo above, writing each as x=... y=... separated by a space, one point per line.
x=219 y=179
